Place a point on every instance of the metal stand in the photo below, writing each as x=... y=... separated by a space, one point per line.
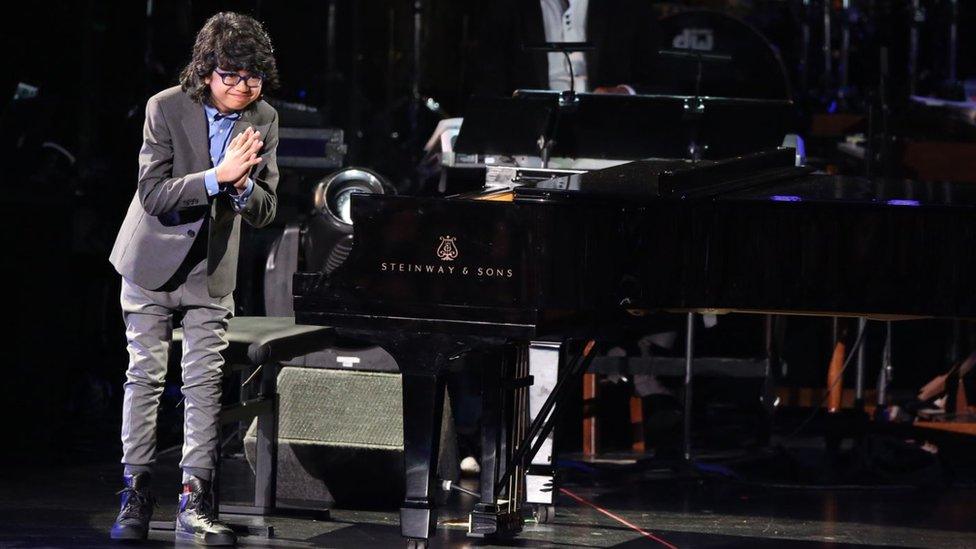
x=918 y=17
x=956 y=357
x=845 y=52
x=862 y=324
x=689 y=362
x=768 y=398
x=828 y=57
x=953 y=48
x=884 y=376
x=805 y=47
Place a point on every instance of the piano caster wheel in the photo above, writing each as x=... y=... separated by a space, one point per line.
x=417 y=544
x=544 y=514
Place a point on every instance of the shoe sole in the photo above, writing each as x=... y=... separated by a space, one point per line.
x=127 y=535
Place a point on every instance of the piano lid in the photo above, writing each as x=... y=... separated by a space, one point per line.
x=675 y=179
x=859 y=190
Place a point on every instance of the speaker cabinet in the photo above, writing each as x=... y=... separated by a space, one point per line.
x=340 y=438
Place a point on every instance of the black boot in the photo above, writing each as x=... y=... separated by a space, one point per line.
x=137 y=508
x=196 y=520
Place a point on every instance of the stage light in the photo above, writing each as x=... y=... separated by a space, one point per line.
x=333 y=194
x=327 y=237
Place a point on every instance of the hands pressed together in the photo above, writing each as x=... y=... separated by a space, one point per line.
x=241 y=155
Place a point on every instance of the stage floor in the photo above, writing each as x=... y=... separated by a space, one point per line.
x=75 y=506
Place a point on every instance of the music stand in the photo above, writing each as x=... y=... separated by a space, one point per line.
x=623 y=127
x=507 y=126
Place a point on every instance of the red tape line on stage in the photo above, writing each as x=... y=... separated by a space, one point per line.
x=621 y=520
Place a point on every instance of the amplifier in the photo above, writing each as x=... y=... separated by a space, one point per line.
x=340 y=438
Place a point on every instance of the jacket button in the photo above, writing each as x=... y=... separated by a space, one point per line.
x=191 y=232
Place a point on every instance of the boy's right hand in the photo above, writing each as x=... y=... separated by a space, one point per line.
x=241 y=155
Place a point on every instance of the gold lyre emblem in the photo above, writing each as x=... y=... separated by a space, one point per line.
x=447 y=250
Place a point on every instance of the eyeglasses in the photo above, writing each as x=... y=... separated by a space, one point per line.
x=232 y=79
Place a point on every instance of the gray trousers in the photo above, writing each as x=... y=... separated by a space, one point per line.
x=148 y=317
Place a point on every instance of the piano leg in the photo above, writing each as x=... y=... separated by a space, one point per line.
x=494 y=516
x=540 y=482
x=423 y=406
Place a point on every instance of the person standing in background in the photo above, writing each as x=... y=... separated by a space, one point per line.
x=622 y=32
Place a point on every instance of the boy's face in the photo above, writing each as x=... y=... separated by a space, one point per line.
x=228 y=98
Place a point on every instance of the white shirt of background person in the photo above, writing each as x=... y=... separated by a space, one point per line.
x=565 y=21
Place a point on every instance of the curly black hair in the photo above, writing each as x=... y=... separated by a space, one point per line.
x=232 y=42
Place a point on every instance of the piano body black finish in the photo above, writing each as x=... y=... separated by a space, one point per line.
x=431 y=279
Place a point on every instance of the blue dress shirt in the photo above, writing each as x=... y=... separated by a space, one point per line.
x=220 y=127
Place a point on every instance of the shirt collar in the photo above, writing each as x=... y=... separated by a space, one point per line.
x=214 y=115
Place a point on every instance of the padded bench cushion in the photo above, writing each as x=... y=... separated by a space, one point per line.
x=259 y=339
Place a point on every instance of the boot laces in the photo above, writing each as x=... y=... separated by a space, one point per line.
x=136 y=504
x=202 y=505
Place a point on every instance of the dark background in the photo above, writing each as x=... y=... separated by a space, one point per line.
x=95 y=64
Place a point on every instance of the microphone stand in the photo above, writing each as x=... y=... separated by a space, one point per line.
x=567 y=99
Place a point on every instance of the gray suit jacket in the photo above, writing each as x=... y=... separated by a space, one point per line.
x=171 y=200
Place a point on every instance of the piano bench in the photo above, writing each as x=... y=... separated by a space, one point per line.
x=256 y=348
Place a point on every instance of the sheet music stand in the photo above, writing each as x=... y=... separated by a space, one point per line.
x=622 y=127
x=508 y=126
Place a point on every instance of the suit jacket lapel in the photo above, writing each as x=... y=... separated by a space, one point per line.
x=242 y=123
x=194 y=121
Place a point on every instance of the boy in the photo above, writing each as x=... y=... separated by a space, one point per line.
x=207 y=161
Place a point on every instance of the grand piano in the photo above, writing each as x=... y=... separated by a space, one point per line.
x=521 y=283
x=433 y=279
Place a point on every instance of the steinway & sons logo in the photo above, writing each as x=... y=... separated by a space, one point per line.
x=447 y=251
